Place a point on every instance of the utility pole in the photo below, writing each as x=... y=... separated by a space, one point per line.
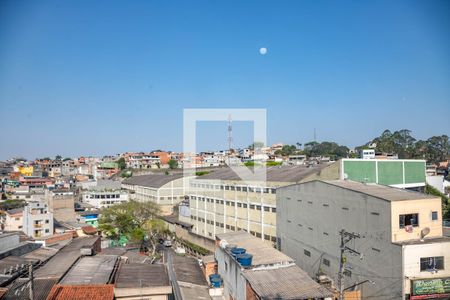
x=345 y=238
x=30 y=277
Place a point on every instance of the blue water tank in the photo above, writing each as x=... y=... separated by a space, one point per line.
x=213 y=276
x=245 y=259
x=216 y=282
x=237 y=251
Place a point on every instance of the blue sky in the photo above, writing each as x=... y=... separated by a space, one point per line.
x=103 y=77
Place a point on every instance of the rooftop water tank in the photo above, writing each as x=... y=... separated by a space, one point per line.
x=237 y=251
x=245 y=259
x=213 y=276
x=216 y=282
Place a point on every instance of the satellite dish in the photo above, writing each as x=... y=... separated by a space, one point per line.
x=424 y=232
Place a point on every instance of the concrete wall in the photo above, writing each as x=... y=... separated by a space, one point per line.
x=193 y=238
x=309 y=218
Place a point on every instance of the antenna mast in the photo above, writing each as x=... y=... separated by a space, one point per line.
x=230 y=133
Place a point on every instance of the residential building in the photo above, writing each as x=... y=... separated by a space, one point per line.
x=221 y=202
x=397 y=250
x=37 y=219
x=270 y=274
x=164 y=190
x=105 y=198
x=13 y=220
x=61 y=204
x=105 y=170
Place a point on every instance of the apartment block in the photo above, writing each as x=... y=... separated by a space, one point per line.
x=37 y=220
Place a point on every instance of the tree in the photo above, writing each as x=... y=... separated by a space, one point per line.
x=121 y=163
x=58 y=157
x=154 y=230
x=401 y=142
x=127 y=218
x=173 y=164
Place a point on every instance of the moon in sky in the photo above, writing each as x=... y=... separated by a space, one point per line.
x=263 y=51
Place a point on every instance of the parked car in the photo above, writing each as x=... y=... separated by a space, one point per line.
x=168 y=243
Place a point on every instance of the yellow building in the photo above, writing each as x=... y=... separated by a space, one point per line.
x=26 y=170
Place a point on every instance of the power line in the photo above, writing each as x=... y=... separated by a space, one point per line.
x=346 y=237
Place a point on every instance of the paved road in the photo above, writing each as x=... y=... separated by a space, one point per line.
x=168 y=256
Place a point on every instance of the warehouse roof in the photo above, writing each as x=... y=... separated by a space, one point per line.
x=152 y=180
x=273 y=174
x=263 y=253
x=380 y=191
x=285 y=283
x=137 y=275
x=91 y=270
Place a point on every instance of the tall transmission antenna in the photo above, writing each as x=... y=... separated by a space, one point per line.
x=230 y=133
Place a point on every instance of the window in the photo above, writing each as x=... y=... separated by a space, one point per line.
x=274 y=210
x=273 y=238
x=434 y=215
x=326 y=262
x=431 y=263
x=409 y=219
x=244 y=205
x=252 y=206
x=258 y=207
x=239 y=204
x=266 y=208
x=307 y=253
x=267 y=237
x=375 y=213
x=46 y=221
x=47 y=230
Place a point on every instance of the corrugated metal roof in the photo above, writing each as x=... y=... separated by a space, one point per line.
x=263 y=253
x=142 y=275
x=19 y=291
x=91 y=270
x=58 y=265
x=42 y=254
x=187 y=270
x=82 y=292
x=152 y=180
x=380 y=191
x=285 y=283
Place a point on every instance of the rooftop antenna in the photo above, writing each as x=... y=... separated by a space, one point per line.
x=230 y=133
